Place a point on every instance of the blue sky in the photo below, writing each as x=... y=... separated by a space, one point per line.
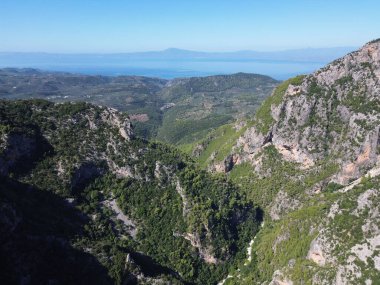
x=73 y=26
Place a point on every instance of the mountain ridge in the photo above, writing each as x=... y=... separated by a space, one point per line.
x=310 y=159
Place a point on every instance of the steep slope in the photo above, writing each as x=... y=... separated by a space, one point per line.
x=312 y=162
x=78 y=188
x=211 y=151
x=177 y=111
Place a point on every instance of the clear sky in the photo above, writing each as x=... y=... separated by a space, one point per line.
x=72 y=26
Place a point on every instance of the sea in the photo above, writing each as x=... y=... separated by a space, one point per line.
x=169 y=69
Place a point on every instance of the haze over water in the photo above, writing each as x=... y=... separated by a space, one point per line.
x=172 y=69
x=168 y=65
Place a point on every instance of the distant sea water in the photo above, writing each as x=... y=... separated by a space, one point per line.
x=182 y=68
x=280 y=70
x=172 y=63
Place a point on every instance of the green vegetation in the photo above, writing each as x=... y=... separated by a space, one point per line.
x=283 y=177
x=284 y=244
x=344 y=80
x=366 y=65
x=177 y=111
x=297 y=202
x=358 y=102
x=184 y=131
x=216 y=146
x=374 y=41
x=293 y=240
x=315 y=91
x=241 y=173
x=164 y=193
x=206 y=103
x=36 y=226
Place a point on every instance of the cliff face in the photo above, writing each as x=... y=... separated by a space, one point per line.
x=312 y=160
x=331 y=114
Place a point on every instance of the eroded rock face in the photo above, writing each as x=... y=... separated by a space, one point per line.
x=334 y=112
x=347 y=242
x=316 y=254
x=115 y=119
x=332 y=249
x=281 y=204
x=204 y=253
x=226 y=165
x=279 y=279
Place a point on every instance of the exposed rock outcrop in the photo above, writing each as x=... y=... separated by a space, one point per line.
x=334 y=112
x=316 y=254
x=322 y=131
x=279 y=279
x=116 y=119
x=205 y=253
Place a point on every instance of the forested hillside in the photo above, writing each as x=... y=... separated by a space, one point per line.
x=85 y=201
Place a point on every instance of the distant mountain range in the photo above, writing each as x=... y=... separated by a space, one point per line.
x=301 y=55
x=173 y=63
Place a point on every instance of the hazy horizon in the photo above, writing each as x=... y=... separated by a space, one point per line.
x=189 y=50
x=173 y=63
x=170 y=38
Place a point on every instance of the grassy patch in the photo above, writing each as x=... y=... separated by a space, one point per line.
x=218 y=143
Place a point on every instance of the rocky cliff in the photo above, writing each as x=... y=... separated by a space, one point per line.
x=331 y=114
x=312 y=160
